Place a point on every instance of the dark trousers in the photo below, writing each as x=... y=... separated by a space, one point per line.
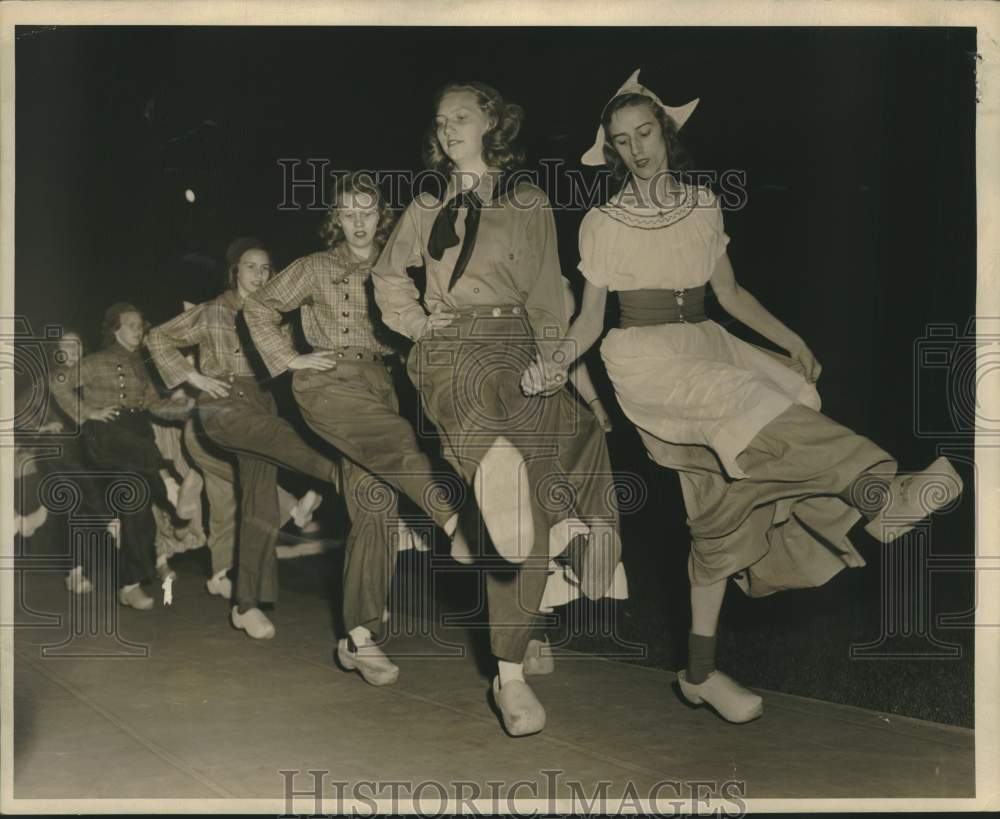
x=468 y=376
x=127 y=446
x=69 y=472
x=356 y=409
x=247 y=424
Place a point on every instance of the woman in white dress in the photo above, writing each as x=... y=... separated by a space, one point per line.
x=771 y=486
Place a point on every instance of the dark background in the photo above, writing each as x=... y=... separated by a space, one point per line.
x=858 y=231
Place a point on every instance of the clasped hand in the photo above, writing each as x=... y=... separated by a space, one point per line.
x=543 y=377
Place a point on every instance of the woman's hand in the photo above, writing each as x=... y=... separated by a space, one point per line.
x=325 y=360
x=440 y=317
x=540 y=378
x=600 y=413
x=103 y=414
x=215 y=387
x=810 y=365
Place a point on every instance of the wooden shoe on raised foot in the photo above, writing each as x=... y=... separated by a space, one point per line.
x=914 y=497
x=501 y=487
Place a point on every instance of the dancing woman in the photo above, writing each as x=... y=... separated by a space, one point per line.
x=239 y=413
x=494 y=289
x=345 y=392
x=114 y=396
x=771 y=485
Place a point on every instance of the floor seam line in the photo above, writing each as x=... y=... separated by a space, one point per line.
x=398 y=692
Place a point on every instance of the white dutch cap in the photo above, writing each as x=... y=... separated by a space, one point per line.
x=595 y=155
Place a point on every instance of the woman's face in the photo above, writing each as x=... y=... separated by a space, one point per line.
x=358 y=218
x=461 y=124
x=130 y=330
x=253 y=270
x=68 y=350
x=637 y=136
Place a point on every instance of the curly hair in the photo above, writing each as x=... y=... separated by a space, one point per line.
x=506 y=119
x=678 y=159
x=331 y=231
x=113 y=320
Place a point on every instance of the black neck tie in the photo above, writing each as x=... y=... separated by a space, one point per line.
x=443 y=233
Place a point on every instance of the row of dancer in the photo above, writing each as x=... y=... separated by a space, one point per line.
x=771 y=486
x=506 y=447
x=126 y=426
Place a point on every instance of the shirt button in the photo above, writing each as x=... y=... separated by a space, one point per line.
x=60 y=378
x=475 y=289
x=345 y=314
x=346 y=330
x=346 y=297
x=510 y=256
x=119 y=367
x=360 y=356
x=236 y=350
x=340 y=355
x=121 y=395
x=497 y=311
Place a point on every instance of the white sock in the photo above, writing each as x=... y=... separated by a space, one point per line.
x=127 y=589
x=360 y=635
x=451 y=525
x=220 y=574
x=510 y=671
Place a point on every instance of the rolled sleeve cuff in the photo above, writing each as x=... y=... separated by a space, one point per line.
x=277 y=362
x=411 y=321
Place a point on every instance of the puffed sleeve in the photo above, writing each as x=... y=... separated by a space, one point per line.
x=718 y=236
x=395 y=293
x=545 y=303
x=592 y=265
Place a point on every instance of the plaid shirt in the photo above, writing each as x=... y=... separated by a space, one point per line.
x=113 y=377
x=333 y=289
x=211 y=327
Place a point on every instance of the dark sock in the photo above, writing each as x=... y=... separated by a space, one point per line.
x=701 y=657
x=575 y=552
x=867 y=493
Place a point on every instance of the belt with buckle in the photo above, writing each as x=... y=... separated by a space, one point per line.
x=355 y=354
x=486 y=311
